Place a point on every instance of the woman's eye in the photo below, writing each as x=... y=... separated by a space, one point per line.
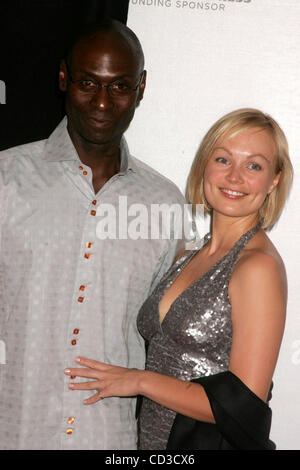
x=222 y=160
x=255 y=166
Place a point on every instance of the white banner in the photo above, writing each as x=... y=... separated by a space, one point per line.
x=205 y=59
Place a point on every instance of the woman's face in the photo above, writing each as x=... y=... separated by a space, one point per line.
x=241 y=172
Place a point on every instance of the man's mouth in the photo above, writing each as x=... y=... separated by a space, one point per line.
x=100 y=121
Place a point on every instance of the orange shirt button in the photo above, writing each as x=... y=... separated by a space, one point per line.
x=82 y=287
x=80 y=299
x=88 y=244
x=94 y=202
x=72 y=377
x=93 y=212
x=81 y=167
x=71 y=420
x=69 y=431
x=73 y=342
x=76 y=331
x=87 y=255
x=84 y=173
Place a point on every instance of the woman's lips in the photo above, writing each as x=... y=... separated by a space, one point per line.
x=232 y=194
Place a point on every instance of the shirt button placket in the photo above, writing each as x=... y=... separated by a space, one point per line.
x=82 y=287
x=70 y=421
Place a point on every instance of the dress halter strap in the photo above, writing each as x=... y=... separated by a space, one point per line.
x=246 y=237
x=233 y=254
x=228 y=261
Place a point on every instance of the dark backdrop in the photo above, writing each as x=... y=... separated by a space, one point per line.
x=33 y=37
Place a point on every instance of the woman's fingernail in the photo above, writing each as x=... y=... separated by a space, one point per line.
x=67 y=371
x=77 y=359
x=71 y=385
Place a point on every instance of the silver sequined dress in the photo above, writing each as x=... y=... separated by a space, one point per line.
x=194 y=338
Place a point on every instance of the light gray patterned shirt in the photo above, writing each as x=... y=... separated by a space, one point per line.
x=64 y=292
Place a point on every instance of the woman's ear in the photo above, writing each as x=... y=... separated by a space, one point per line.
x=275 y=182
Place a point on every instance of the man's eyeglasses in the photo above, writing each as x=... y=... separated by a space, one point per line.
x=117 y=89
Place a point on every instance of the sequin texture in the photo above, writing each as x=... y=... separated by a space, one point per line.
x=193 y=340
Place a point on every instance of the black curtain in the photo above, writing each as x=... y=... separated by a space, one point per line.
x=33 y=38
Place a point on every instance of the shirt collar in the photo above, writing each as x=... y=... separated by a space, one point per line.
x=127 y=161
x=59 y=147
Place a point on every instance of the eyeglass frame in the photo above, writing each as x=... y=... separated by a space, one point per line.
x=99 y=86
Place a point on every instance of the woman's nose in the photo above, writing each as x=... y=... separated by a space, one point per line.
x=234 y=174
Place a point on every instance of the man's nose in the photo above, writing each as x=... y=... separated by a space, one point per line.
x=102 y=98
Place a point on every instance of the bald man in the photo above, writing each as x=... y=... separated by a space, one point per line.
x=70 y=284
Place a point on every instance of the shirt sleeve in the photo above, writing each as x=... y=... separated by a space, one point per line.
x=173 y=230
x=165 y=262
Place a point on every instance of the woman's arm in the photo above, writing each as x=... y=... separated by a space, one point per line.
x=183 y=397
x=258 y=295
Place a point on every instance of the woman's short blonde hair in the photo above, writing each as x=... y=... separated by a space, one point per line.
x=229 y=125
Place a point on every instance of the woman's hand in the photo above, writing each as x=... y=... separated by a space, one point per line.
x=109 y=381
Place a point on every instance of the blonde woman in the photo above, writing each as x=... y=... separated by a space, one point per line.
x=215 y=322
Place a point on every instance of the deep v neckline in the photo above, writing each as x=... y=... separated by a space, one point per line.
x=187 y=260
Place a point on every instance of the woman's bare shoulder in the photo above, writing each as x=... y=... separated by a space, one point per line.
x=260 y=255
x=260 y=262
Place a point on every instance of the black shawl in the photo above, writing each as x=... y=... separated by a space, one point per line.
x=242 y=419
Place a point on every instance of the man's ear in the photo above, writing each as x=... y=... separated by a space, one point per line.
x=142 y=86
x=63 y=76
